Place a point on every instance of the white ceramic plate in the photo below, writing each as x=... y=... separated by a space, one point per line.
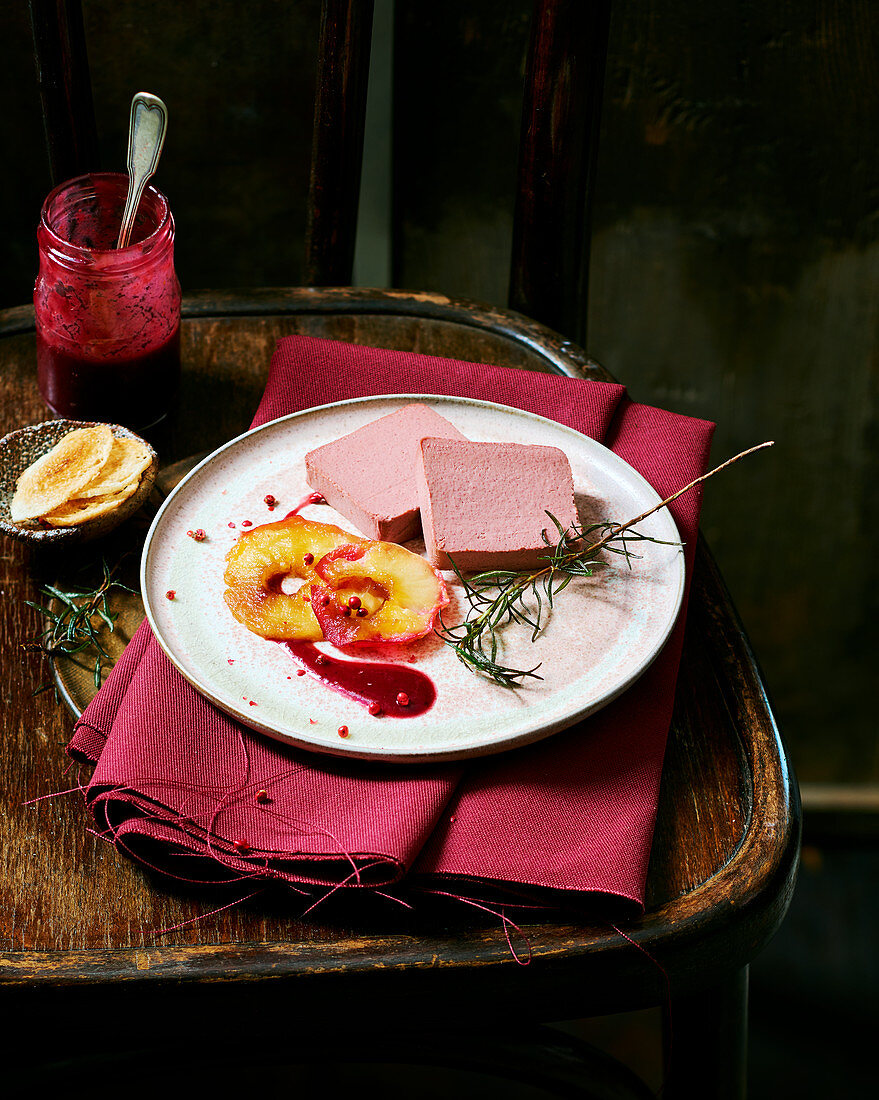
x=601 y=636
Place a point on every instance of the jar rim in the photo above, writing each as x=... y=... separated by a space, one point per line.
x=131 y=250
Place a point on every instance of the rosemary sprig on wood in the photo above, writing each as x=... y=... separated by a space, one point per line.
x=75 y=620
x=498 y=597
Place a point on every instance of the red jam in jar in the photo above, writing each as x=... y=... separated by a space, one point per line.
x=108 y=319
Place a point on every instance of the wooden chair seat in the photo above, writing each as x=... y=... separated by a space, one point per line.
x=77 y=919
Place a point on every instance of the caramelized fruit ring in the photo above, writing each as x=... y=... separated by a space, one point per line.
x=414 y=591
x=261 y=558
x=398 y=594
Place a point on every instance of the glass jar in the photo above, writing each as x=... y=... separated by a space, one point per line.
x=108 y=319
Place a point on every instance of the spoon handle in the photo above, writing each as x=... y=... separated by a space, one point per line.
x=146 y=136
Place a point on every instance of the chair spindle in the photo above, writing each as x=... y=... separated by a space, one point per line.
x=557 y=155
x=337 y=146
x=65 y=87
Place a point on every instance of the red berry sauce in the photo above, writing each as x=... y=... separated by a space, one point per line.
x=312 y=498
x=369 y=682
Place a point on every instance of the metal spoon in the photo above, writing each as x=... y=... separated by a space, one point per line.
x=146 y=136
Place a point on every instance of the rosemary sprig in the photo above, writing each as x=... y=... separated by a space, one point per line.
x=75 y=619
x=498 y=597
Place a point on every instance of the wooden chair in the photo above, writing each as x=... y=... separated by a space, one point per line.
x=254 y=981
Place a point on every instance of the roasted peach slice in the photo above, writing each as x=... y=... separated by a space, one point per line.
x=396 y=594
x=260 y=560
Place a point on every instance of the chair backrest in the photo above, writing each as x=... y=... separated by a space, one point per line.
x=557 y=156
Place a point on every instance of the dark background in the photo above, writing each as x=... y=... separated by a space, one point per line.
x=734 y=276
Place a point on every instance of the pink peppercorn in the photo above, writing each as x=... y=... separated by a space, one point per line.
x=403 y=699
x=170 y=594
x=343 y=731
x=308 y=558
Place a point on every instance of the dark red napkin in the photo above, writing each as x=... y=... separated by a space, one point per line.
x=179 y=785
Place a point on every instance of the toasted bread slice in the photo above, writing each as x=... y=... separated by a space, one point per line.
x=60 y=474
x=74 y=512
x=127 y=460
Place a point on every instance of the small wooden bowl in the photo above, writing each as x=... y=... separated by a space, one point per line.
x=24 y=446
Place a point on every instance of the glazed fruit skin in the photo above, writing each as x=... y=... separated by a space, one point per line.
x=416 y=592
x=259 y=561
x=353 y=589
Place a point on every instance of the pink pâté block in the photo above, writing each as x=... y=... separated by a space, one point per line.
x=368 y=476
x=484 y=505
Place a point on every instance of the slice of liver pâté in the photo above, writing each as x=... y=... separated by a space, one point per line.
x=484 y=505
x=368 y=476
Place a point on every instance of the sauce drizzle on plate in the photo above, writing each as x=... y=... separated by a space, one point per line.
x=373 y=683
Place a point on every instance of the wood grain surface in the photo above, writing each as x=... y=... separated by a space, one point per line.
x=76 y=917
